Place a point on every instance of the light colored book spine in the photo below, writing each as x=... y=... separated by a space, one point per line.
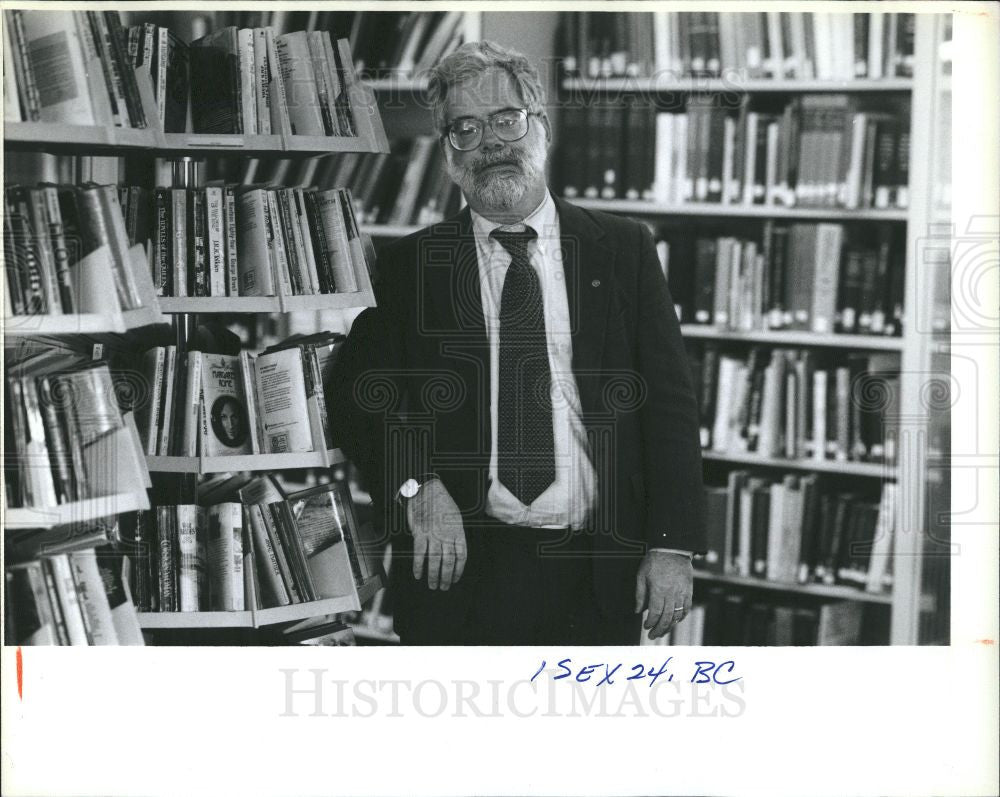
x=829 y=242
x=248 y=374
x=155 y=361
x=790 y=548
x=335 y=233
x=819 y=415
x=878 y=565
x=283 y=408
x=255 y=273
x=314 y=40
x=267 y=560
x=301 y=97
x=842 y=379
x=310 y=274
x=11 y=102
x=42 y=485
x=775 y=529
x=745 y=564
x=262 y=87
x=662 y=157
x=62 y=575
x=47 y=633
x=93 y=599
x=167 y=416
x=723 y=408
x=225 y=557
x=192 y=405
x=178 y=219
x=248 y=75
x=216 y=241
x=160 y=78
x=191 y=564
x=278 y=247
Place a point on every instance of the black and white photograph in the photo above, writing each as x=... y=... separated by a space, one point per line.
x=637 y=346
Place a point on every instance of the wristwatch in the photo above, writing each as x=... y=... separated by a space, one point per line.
x=411 y=487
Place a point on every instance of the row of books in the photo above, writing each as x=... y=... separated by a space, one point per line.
x=792 y=530
x=783 y=403
x=772 y=44
x=73 y=598
x=263 y=551
x=243 y=241
x=821 y=278
x=48 y=231
x=383 y=43
x=241 y=80
x=819 y=150
x=733 y=618
x=51 y=421
x=199 y=403
x=47 y=59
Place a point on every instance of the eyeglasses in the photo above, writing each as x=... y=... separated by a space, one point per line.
x=466 y=132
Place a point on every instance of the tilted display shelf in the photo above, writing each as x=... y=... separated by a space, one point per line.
x=256 y=618
x=92 y=285
x=245 y=462
x=114 y=468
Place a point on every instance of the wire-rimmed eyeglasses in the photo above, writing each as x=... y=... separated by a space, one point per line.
x=509 y=124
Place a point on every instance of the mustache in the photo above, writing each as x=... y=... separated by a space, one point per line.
x=486 y=161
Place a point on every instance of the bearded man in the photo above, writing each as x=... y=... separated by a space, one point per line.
x=520 y=402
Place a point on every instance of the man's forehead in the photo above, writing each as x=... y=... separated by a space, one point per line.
x=490 y=90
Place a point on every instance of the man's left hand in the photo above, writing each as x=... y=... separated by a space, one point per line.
x=663 y=586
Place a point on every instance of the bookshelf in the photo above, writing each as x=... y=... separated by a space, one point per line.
x=121 y=473
x=917 y=602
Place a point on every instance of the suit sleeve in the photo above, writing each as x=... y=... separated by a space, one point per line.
x=366 y=394
x=669 y=418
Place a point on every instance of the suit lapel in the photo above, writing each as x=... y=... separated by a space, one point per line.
x=451 y=280
x=588 y=265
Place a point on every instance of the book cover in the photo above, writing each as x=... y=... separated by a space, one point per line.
x=225 y=557
x=225 y=427
x=93 y=598
x=190 y=558
x=282 y=402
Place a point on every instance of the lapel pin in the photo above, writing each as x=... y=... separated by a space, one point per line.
x=595 y=284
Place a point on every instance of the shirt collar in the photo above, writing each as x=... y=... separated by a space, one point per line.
x=540 y=219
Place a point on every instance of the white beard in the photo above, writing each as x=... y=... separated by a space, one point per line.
x=501 y=190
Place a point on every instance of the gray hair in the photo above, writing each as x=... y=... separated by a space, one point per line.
x=473 y=59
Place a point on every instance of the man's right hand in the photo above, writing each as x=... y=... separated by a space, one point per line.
x=438 y=535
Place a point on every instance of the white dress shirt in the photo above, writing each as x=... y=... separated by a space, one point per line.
x=569 y=500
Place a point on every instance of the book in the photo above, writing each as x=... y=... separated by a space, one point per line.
x=225 y=557
x=190 y=560
x=225 y=427
x=93 y=598
x=295 y=67
x=283 y=403
x=215 y=83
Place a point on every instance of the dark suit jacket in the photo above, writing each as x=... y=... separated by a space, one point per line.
x=411 y=386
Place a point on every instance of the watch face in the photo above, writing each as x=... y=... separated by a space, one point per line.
x=409 y=488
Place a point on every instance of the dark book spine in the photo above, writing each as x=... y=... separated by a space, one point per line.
x=27 y=256
x=197 y=256
x=13 y=266
x=55 y=439
x=288 y=234
x=320 y=245
x=126 y=74
x=60 y=248
x=163 y=244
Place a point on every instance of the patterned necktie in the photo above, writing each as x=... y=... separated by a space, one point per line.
x=525 y=448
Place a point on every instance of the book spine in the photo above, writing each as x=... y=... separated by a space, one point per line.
x=303 y=239
x=93 y=598
x=60 y=248
x=262 y=85
x=162 y=243
x=192 y=405
x=64 y=481
x=248 y=375
x=167 y=402
x=191 y=562
x=215 y=241
x=291 y=236
x=248 y=78
x=198 y=278
x=278 y=247
x=255 y=272
x=231 y=274
x=166 y=531
x=267 y=559
x=62 y=575
x=28 y=86
x=179 y=256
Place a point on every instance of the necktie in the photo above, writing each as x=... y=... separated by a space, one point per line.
x=525 y=449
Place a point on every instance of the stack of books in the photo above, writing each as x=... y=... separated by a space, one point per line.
x=58 y=427
x=819 y=278
x=772 y=44
x=400 y=43
x=48 y=56
x=785 y=403
x=48 y=231
x=817 y=150
x=203 y=404
x=68 y=595
x=793 y=531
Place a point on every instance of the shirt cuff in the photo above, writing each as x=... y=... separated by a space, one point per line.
x=688 y=554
